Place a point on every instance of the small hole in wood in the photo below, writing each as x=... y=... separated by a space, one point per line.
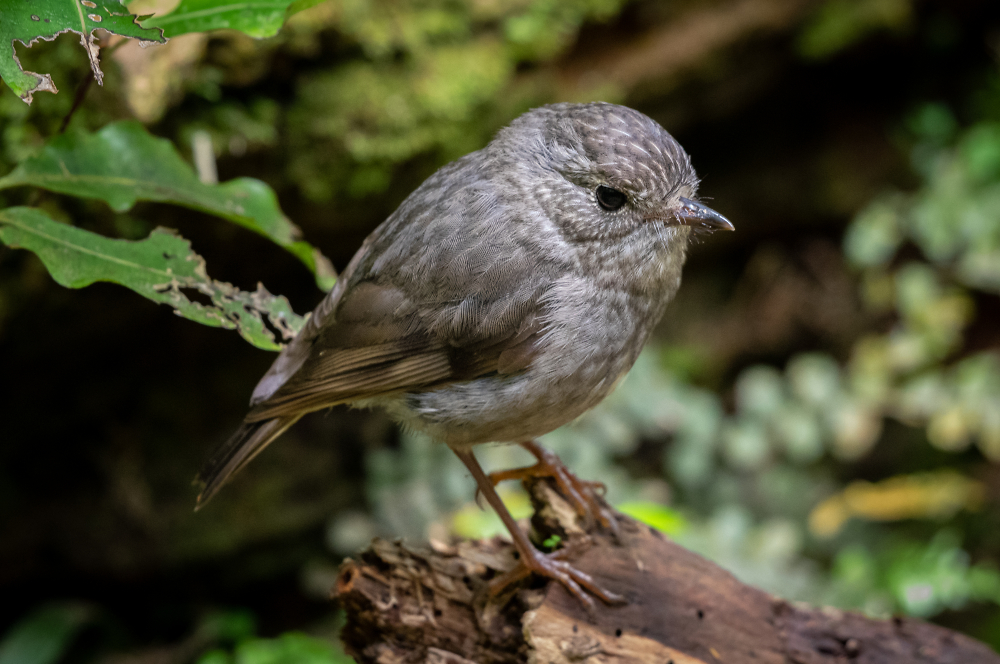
x=618 y=632
x=575 y=629
x=701 y=614
x=346 y=580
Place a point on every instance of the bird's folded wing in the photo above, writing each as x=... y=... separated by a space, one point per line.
x=349 y=374
x=379 y=344
x=342 y=368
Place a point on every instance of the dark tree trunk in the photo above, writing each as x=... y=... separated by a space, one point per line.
x=410 y=604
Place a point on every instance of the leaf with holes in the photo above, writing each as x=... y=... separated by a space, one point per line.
x=257 y=18
x=28 y=21
x=161 y=267
x=122 y=164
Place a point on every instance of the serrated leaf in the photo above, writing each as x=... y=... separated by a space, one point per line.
x=122 y=164
x=257 y=18
x=161 y=267
x=28 y=22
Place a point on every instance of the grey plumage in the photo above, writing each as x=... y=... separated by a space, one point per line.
x=500 y=300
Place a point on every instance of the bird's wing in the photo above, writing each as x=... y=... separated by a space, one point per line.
x=297 y=351
x=382 y=343
x=378 y=343
x=447 y=245
x=375 y=346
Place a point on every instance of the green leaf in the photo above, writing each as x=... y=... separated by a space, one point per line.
x=257 y=18
x=161 y=267
x=229 y=625
x=27 y=22
x=43 y=635
x=122 y=164
x=289 y=648
x=658 y=516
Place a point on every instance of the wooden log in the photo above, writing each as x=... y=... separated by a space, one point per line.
x=410 y=604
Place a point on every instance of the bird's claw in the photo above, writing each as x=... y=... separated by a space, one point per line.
x=555 y=567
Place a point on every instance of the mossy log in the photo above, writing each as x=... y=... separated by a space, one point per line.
x=408 y=604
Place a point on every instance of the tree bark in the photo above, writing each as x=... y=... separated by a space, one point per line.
x=408 y=604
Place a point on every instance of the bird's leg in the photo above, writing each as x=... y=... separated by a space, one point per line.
x=532 y=560
x=582 y=495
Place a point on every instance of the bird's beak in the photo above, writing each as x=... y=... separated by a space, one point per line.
x=691 y=213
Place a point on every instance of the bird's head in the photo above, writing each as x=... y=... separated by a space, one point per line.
x=605 y=171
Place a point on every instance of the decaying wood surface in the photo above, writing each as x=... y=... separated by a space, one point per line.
x=410 y=604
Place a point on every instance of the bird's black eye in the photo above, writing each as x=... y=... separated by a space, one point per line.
x=610 y=199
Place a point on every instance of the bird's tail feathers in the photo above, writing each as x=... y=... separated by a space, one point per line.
x=247 y=442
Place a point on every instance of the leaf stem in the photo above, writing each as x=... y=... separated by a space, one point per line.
x=81 y=94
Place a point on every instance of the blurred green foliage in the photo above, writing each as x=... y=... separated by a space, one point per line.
x=836 y=24
x=917 y=579
x=437 y=80
x=233 y=633
x=289 y=648
x=954 y=220
x=44 y=634
x=666 y=520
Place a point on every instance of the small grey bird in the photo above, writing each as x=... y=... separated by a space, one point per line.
x=506 y=296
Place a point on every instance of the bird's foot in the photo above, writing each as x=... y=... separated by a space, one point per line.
x=554 y=566
x=584 y=496
x=532 y=561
